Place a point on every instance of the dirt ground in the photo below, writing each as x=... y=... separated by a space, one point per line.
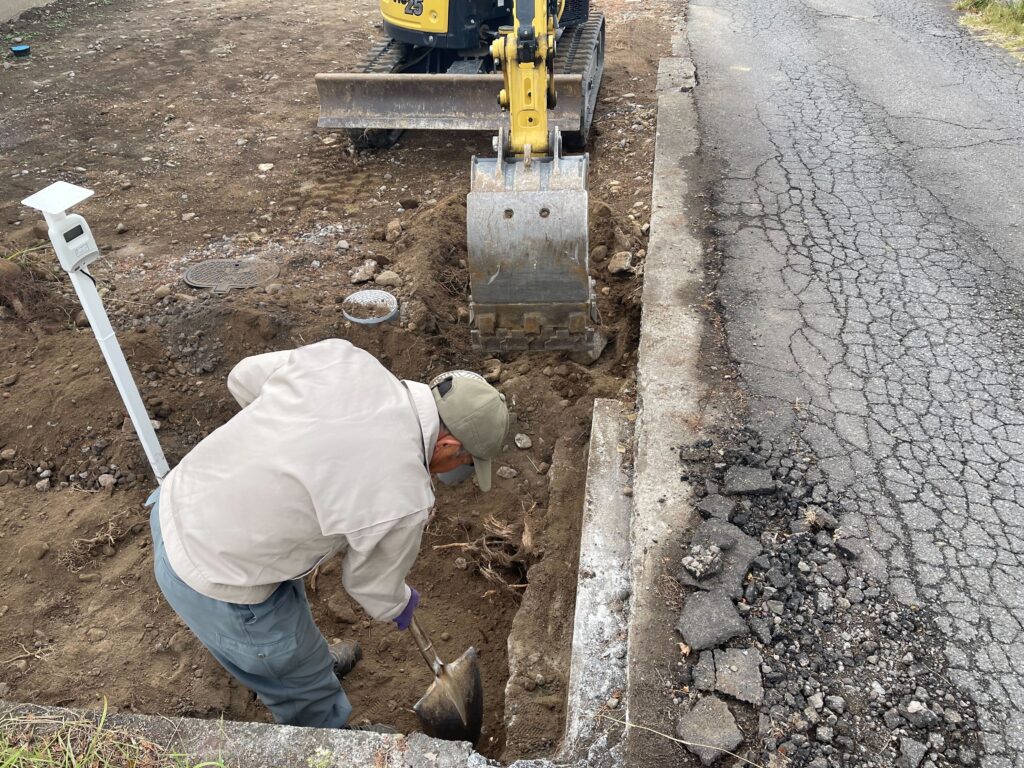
x=172 y=112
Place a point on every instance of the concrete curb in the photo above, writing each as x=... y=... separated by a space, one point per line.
x=670 y=394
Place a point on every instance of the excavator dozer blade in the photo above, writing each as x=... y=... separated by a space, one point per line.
x=527 y=235
x=423 y=101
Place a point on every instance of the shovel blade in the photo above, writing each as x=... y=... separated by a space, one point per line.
x=453 y=706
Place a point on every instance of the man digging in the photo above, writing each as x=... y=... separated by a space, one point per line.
x=330 y=454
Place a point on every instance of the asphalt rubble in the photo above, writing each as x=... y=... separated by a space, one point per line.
x=790 y=653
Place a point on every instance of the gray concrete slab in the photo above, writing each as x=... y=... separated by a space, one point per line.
x=669 y=392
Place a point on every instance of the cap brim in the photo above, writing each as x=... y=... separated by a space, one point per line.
x=483 y=473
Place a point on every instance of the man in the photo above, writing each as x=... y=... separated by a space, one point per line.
x=330 y=454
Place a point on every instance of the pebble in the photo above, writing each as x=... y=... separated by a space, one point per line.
x=492 y=370
x=388 y=279
x=264 y=167
x=106 y=481
x=10 y=381
x=393 y=230
x=35 y=550
x=523 y=441
x=188 y=216
x=163 y=291
x=506 y=472
x=599 y=253
x=364 y=272
x=43 y=485
x=342 y=245
x=8 y=454
x=621 y=263
x=96 y=634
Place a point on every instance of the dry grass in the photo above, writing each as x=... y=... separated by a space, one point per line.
x=504 y=549
x=29 y=741
x=78 y=554
x=1001 y=23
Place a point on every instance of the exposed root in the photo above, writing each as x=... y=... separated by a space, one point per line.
x=81 y=551
x=504 y=553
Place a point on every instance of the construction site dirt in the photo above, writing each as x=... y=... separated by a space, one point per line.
x=195 y=125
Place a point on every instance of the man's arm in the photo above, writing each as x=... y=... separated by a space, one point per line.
x=248 y=377
x=376 y=564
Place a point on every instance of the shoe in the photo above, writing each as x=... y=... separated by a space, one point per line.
x=373 y=728
x=344 y=656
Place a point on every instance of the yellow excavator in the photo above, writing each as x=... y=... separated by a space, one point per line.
x=530 y=69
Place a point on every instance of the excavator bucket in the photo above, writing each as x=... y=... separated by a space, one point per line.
x=527 y=233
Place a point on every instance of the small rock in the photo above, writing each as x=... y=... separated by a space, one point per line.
x=35 y=550
x=599 y=253
x=364 y=272
x=523 y=441
x=264 y=167
x=738 y=674
x=106 y=481
x=911 y=753
x=389 y=279
x=393 y=230
x=492 y=370
x=8 y=454
x=409 y=203
x=96 y=634
x=81 y=319
x=187 y=216
x=621 y=263
x=506 y=472
x=708 y=620
x=340 y=610
x=10 y=381
x=342 y=245
x=461 y=563
x=703 y=561
x=748 y=480
x=715 y=505
x=710 y=724
x=163 y=291
x=446 y=636
x=274 y=288
x=824 y=734
x=836 y=703
x=43 y=485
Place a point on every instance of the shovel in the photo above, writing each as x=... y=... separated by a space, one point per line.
x=453 y=706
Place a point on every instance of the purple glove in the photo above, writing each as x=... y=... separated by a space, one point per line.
x=403 y=619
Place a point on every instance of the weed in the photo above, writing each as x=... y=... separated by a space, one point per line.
x=1001 y=22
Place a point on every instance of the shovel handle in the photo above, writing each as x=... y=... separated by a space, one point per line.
x=426 y=648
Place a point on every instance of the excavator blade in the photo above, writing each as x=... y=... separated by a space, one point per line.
x=527 y=235
x=423 y=101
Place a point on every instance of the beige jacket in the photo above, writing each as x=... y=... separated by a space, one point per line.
x=328 y=454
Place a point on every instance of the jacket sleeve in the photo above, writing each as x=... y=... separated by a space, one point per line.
x=378 y=560
x=248 y=377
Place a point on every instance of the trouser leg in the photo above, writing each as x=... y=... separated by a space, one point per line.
x=273 y=648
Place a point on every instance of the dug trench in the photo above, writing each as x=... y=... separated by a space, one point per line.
x=83 y=617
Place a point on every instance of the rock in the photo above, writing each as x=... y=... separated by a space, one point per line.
x=187 y=216
x=8 y=454
x=708 y=620
x=409 y=203
x=163 y=291
x=5 y=476
x=819 y=517
x=599 y=253
x=738 y=674
x=710 y=724
x=388 y=279
x=95 y=634
x=736 y=557
x=919 y=716
x=704 y=671
x=10 y=381
x=621 y=263
x=35 y=550
x=523 y=441
x=748 y=480
x=364 y=272
x=717 y=506
x=836 y=703
x=81 y=319
x=703 y=561
x=340 y=609
x=850 y=547
x=393 y=230
x=264 y=167
x=43 y=485
x=911 y=753
x=506 y=472
x=824 y=734
x=106 y=481
x=121 y=228
x=342 y=245
x=492 y=370
x=274 y=288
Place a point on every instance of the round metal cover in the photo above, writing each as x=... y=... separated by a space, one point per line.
x=224 y=274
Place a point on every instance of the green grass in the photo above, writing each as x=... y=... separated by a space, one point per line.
x=28 y=741
x=1001 y=23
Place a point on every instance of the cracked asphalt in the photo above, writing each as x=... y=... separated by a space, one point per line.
x=868 y=197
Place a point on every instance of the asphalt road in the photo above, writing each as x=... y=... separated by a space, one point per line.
x=869 y=190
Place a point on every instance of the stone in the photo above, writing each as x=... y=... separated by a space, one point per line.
x=274 y=288
x=5 y=476
x=621 y=263
x=342 y=245
x=393 y=230
x=492 y=370
x=716 y=506
x=911 y=753
x=364 y=272
x=121 y=228
x=704 y=671
x=163 y=291
x=523 y=441
x=738 y=674
x=8 y=454
x=388 y=279
x=95 y=634
x=506 y=472
x=824 y=734
x=188 y=216
x=43 y=485
x=10 y=381
x=836 y=703
x=850 y=547
x=340 y=609
x=409 y=203
x=35 y=550
x=106 y=481
x=702 y=561
x=710 y=724
x=599 y=253
x=748 y=481
x=819 y=517
x=919 y=716
x=264 y=167
x=736 y=559
x=708 y=620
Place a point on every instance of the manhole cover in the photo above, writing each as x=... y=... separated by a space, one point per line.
x=224 y=274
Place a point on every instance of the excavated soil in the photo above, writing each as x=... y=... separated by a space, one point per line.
x=172 y=113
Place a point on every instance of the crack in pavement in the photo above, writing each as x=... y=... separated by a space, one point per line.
x=874 y=298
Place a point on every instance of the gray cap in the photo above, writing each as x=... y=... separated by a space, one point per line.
x=476 y=415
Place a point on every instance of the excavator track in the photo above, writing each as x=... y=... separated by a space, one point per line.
x=380 y=96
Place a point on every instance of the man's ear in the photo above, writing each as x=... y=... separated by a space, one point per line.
x=448 y=440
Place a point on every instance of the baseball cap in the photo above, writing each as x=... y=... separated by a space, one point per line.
x=476 y=415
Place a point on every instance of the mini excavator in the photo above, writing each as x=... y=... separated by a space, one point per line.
x=442 y=66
